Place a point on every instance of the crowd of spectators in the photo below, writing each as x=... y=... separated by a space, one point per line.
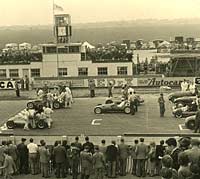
x=171 y=159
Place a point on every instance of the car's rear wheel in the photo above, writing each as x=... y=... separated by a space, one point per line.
x=97 y=110
x=56 y=105
x=30 y=105
x=10 y=124
x=41 y=124
x=109 y=101
x=190 y=124
x=127 y=110
x=178 y=114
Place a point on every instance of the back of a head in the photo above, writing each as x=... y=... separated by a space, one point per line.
x=113 y=142
x=136 y=141
x=183 y=159
x=87 y=139
x=171 y=142
x=103 y=141
x=167 y=161
x=166 y=173
x=3 y=142
x=31 y=140
x=162 y=142
x=141 y=139
x=76 y=138
x=122 y=140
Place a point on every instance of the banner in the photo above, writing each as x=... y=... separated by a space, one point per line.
x=7 y=84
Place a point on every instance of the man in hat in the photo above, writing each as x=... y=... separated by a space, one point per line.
x=23 y=157
x=161 y=103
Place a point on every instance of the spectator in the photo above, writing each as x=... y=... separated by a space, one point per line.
x=86 y=162
x=8 y=166
x=194 y=153
x=160 y=151
x=89 y=144
x=17 y=88
x=22 y=83
x=44 y=159
x=26 y=82
x=123 y=155
x=77 y=144
x=184 y=171
x=50 y=99
x=195 y=170
x=48 y=111
x=98 y=163
x=131 y=99
x=60 y=155
x=167 y=172
x=110 y=89
x=111 y=157
x=33 y=156
x=68 y=96
x=141 y=152
x=67 y=162
x=134 y=156
x=23 y=157
x=12 y=151
x=173 y=151
x=197 y=121
x=3 y=148
x=184 y=85
x=152 y=159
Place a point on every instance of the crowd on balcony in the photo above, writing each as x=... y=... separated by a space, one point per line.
x=170 y=159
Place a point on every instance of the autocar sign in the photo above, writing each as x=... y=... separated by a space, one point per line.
x=7 y=84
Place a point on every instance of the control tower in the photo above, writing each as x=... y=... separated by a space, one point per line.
x=62 y=28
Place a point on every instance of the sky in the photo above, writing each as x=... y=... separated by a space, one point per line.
x=35 y=12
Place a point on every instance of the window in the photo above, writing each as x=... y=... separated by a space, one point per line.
x=82 y=71
x=2 y=73
x=74 y=49
x=122 y=71
x=49 y=49
x=35 y=72
x=102 y=71
x=14 y=73
x=62 y=71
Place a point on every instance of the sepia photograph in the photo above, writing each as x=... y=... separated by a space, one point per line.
x=100 y=89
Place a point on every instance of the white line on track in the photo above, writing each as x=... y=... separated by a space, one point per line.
x=96 y=122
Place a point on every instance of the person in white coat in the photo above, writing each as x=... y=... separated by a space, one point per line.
x=68 y=97
x=184 y=85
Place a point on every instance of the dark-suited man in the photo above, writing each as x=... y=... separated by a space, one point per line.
x=86 y=163
x=197 y=122
x=60 y=155
x=141 y=152
x=134 y=156
x=123 y=155
x=44 y=159
x=23 y=157
x=89 y=144
x=111 y=157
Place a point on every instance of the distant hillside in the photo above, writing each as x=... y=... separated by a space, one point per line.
x=104 y=32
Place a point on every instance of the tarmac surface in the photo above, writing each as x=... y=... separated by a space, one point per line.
x=80 y=119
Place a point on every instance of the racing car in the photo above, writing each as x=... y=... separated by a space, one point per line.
x=18 y=120
x=119 y=100
x=190 y=122
x=123 y=106
x=38 y=103
x=178 y=94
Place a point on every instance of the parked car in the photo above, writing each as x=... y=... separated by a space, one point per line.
x=178 y=94
x=183 y=101
x=190 y=122
x=123 y=106
x=184 y=111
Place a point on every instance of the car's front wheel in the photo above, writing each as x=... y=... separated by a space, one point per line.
x=10 y=125
x=30 y=105
x=56 y=105
x=190 y=124
x=97 y=110
x=41 y=124
x=127 y=110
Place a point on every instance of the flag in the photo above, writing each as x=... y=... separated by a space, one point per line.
x=58 y=8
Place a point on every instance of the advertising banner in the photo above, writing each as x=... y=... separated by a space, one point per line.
x=7 y=84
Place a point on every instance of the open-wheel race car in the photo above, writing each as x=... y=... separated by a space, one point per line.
x=118 y=100
x=190 y=122
x=178 y=94
x=38 y=103
x=123 y=106
x=18 y=120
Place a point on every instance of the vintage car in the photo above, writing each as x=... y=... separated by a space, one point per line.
x=38 y=103
x=183 y=101
x=119 y=100
x=18 y=120
x=178 y=94
x=123 y=106
x=190 y=122
x=184 y=111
